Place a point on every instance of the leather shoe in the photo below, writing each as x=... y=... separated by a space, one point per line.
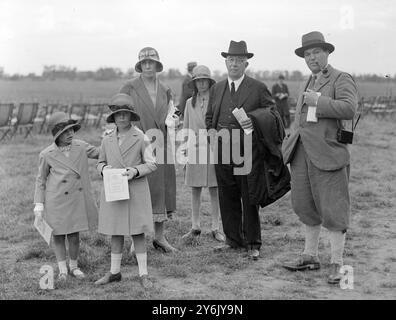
x=254 y=254
x=145 y=282
x=304 y=262
x=109 y=277
x=334 y=276
x=217 y=235
x=192 y=234
x=164 y=247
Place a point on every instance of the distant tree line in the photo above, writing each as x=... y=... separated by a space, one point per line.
x=53 y=72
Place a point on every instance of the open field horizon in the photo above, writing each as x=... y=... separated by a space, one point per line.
x=66 y=91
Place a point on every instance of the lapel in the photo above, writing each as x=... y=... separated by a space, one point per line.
x=324 y=79
x=161 y=107
x=115 y=149
x=244 y=91
x=219 y=98
x=69 y=162
x=130 y=139
x=143 y=94
x=300 y=98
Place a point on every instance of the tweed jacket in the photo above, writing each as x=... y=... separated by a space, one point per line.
x=338 y=102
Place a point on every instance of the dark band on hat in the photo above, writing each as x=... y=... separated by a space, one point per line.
x=116 y=107
x=60 y=126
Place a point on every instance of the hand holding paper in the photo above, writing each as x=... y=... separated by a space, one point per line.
x=311 y=97
x=43 y=228
x=115 y=184
x=243 y=120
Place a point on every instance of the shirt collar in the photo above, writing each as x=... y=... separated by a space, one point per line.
x=236 y=82
x=320 y=73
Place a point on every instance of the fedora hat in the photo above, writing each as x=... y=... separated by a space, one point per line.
x=200 y=72
x=60 y=122
x=148 y=53
x=121 y=102
x=313 y=39
x=237 y=49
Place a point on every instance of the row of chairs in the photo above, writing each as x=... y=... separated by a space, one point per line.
x=26 y=116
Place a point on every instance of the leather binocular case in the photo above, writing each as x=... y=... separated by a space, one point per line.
x=344 y=136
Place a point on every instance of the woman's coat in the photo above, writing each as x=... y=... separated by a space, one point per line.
x=63 y=185
x=197 y=174
x=132 y=216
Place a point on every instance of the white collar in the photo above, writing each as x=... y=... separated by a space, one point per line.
x=236 y=82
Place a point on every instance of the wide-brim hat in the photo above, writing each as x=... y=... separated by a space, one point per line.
x=237 y=49
x=60 y=122
x=148 y=53
x=201 y=72
x=121 y=102
x=311 y=40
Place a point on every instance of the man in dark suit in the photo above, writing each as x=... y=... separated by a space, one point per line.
x=186 y=92
x=241 y=222
x=280 y=92
x=319 y=161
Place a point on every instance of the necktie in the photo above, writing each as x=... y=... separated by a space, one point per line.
x=312 y=83
x=232 y=89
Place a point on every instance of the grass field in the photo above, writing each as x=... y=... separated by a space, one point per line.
x=95 y=91
x=196 y=272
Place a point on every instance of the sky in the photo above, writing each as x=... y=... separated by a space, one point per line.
x=89 y=34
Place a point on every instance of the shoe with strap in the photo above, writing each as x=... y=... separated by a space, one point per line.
x=302 y=263
x=164 y=247
x=145 y=281
x=77 y=273
x=108 y=278
x=62 y=277
x=193 y=233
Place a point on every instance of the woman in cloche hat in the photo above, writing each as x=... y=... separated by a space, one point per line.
x=200 y=175
x=126 y=148
x=63 y=195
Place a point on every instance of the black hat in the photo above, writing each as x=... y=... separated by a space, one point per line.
x=237 y=49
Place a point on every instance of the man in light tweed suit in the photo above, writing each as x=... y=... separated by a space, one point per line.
x=319 y=162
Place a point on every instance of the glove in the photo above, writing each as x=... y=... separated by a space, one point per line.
x=38 y=210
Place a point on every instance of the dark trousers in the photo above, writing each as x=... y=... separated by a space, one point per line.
x=241 y=221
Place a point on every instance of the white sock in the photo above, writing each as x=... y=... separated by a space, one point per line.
x=72 y=264
x=62 y=266
x=142 y=263
x=337 y=243
x=115 y=263
x=312 y=240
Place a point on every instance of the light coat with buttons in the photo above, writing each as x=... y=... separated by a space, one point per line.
x=63 y=185
x=337 y=103
x=132 y=216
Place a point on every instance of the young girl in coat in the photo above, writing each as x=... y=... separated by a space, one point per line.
x=199 y=175
x=126 y=148
x=63 y=191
